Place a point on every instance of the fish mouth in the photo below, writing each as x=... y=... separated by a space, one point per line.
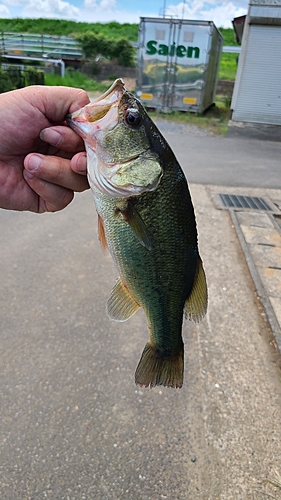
x=103 y=108
x=119 y=177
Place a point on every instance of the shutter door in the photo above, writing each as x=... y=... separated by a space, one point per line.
x=259 y=93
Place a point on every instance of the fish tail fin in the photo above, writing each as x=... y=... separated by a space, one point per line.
x=158 y=368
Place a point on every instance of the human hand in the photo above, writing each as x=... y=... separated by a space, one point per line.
x=42 y=161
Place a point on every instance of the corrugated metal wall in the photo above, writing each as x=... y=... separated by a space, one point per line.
x=259 y=93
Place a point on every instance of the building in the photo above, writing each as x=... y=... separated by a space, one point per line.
x=257 y=90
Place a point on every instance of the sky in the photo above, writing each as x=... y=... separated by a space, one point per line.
x=220 y=12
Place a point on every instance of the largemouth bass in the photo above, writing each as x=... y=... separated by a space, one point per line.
x=146 y=219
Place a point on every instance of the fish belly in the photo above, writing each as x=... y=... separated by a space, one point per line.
x=160 y=279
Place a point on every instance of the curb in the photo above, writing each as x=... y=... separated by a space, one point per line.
x=274 y=324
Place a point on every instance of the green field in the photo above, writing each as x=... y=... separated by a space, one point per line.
x=62 y=27
x=111 y=30
x=228 y=66
x=76 y=79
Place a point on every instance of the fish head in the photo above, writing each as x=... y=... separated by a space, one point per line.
x=120 y=159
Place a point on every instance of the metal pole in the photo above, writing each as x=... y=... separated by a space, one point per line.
x=183 y=7
x=164 y=8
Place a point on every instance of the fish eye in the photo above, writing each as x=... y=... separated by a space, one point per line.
x=132 y=117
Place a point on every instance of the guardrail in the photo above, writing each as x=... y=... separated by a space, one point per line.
x=231 y=49
x=46 y=46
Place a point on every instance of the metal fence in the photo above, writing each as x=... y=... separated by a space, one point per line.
x=46 y=46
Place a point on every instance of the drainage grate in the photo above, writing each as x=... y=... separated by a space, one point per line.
x=245 y=202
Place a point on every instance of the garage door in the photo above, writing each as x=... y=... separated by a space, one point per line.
x=259 y=93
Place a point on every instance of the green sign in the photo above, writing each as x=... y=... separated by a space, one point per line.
x=152 y=48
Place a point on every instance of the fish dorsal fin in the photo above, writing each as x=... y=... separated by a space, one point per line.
x=121 y=305
x=101 y=234
x=195 y=306
x=132 y=216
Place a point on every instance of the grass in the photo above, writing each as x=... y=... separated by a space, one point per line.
x=74 y=78
x=214 y=119
x=228 y=66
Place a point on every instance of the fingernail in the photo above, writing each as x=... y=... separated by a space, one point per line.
x=27 y=174
x=51 y=136
x=33 y=163
x=82 y=165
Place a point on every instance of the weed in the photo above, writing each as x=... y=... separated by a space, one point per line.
x=214 y=119
x=112 y=77
x=75 y=79
x=228 y=66
x=273 y=486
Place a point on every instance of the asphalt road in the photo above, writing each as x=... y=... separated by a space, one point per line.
x=73 y=424
x=247 y=157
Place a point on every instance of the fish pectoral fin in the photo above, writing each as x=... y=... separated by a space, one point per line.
x=121 y=305
x=159 y=368
x=101 y=234
x=137 y=225
x=195 y=306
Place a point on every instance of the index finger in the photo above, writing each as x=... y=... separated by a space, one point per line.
x=55 y=102
x=63 y=137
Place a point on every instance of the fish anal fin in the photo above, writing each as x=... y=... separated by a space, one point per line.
x=132 y=216
x=195 y=306
x=121 y=305
x=157 y=368
x=101 y=234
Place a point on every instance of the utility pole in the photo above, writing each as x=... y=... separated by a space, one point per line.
x=183 y=8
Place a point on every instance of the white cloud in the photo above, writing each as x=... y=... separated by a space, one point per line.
x=14 y=2
x=99 y=5
x=90 y=4
x=223 y=16
x=4 y=11
x=220 y=13
x=111 y=10
x=53 y=7
x=45 y=8
x=107 y=4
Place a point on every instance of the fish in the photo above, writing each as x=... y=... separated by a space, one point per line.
x=146 y=219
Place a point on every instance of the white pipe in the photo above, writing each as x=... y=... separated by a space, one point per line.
x=45 y=59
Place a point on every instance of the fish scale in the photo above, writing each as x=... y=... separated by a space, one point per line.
x=148 y=226
x=160 y=280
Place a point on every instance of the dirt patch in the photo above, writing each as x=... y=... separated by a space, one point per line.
x=130 y=83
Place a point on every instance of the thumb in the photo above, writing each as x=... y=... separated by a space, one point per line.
x=57 y=102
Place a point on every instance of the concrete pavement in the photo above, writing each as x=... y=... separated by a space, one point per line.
x=73 y=424
x=240 y=159
x=257 y=152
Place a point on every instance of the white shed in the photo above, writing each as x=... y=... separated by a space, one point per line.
x=257 y=90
